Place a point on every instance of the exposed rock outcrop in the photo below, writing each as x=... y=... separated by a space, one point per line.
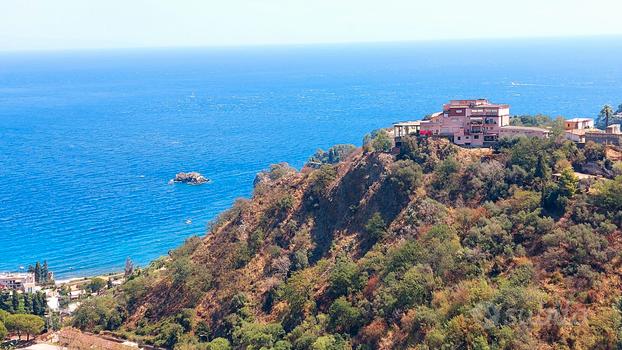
x=191 y=178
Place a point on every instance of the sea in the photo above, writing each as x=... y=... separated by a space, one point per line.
x=90 y=139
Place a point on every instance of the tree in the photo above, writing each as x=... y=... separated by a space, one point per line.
x=129 y=267
x=376 y=228
x=45 y=272
x=218 y=344
x=406 y=174
x=382 y=141
x=603 y=117
x=169 y=335
x=39 y=304
x=96 y=314
x=334 y=154
x=251 y=335
x=3 y=331
x=345 y=277
x=344 y=317
x=568 y=183
x=96 y=284
x=185 y=318
x=609 y=195
x=38 y=277
x=543 y=170
x=593 y=151
x=447 y=179
x=15 y=302
x=25 y=324
x=27 y=303
x=321 y=179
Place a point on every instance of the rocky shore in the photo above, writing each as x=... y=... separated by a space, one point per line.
x=191 y=178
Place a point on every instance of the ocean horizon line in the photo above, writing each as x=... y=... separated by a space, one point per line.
x=319 y=44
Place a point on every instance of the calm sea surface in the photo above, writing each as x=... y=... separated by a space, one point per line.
x=89 y=140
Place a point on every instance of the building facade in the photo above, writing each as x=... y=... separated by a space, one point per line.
x=474 y=123
x=24 y=281
x=579 y=124
x=576 y=128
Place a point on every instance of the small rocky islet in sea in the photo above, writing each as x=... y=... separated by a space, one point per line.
x=190 y=178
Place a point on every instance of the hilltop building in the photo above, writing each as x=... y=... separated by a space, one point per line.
x=475 y=123
x=576 y=128
x=24 y=281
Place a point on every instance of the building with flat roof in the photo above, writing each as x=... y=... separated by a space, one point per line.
x=474 y=123
x=24 y=281
x=576 y=128
x=579 y=123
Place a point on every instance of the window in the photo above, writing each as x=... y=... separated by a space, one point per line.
x=467 y=137
x=476 y=137
x=458 y=137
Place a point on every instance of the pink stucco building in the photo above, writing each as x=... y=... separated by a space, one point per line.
x=474 y=123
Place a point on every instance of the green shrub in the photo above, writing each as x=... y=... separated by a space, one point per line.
x=375 y=228
x=169 y=334
x=406 y=175
x=96 y=284
x=345 y=278
x=218 y=344
x=256 y=336
x=97 y=314
x=321 y=179
x=344 y=317
x=609 y=197
x=334 y=155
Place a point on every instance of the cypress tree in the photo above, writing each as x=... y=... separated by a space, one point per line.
x=38 y=272
x=28 y=303
x=14 y=302
x=5 y=302
x=543 y=171
x=39 y=304
x=45 y=272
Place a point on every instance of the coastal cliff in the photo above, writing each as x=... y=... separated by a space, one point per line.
x=432 y=247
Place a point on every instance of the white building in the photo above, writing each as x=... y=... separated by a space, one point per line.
x=576 y=128
x=24 y=281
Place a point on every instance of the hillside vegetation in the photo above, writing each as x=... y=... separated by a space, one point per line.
x=436 y=247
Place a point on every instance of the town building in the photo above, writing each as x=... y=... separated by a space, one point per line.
x=612 y=135
x=579 y=123
x=475 y=123
x=24 y=281
x=576 y=128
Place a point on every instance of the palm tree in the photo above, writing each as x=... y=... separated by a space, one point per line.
x=606 y=112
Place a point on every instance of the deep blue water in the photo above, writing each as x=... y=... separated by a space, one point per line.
x=88 y=140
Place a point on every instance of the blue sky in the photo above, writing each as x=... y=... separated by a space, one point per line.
x=76 y=24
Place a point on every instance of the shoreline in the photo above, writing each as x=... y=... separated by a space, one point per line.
x=75 y=280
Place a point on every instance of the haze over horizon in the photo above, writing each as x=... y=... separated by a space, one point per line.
x=74 y=24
